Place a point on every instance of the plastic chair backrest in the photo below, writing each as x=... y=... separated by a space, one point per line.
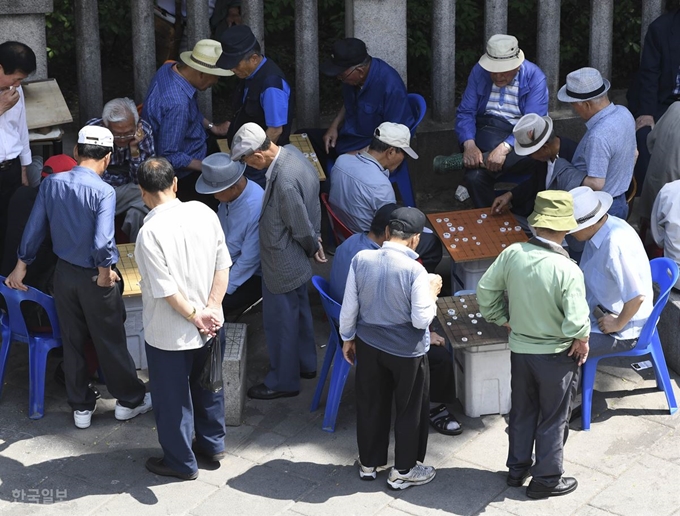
x=419 y=107
x=14 y=298
x=330 y=305
x=340 y=231
x=665 y=274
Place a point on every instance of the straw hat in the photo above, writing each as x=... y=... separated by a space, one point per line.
x=204 y=58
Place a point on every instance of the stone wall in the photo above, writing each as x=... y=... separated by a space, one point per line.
x=24 y=21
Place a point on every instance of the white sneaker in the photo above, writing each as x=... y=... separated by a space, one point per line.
x=367 y=473
x=416 y=476
x=83 y=418
x=123 y=413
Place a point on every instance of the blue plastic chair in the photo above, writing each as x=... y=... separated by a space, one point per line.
x=39 y=343
x=665 y=273
x=333 y=351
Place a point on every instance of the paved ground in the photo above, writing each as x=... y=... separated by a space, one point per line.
x=281 y=462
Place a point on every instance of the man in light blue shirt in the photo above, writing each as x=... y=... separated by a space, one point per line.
x=239 y=214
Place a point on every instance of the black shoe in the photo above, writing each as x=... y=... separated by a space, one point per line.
x=262 y=392
x=515 y=480
x=158 y=467
x=210 y=457
x=565 y=486
x=308 y=376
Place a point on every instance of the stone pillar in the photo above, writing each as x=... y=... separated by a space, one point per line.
x=198 y=28
x=651 y=10
x=443 y=60
x=495 y=18
x=253 y=17
x=601 y=36
x=143 y=46
x=549 y=45
x=24 y=21
x=381 y=24
x=307 y=63
x=88 y=60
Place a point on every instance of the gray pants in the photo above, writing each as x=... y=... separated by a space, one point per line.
x=543 y=387
x=129 y=201
x=601 y=344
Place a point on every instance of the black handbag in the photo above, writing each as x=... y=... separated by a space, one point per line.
x=211 y=375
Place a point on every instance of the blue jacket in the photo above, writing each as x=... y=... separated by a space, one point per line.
x=533 y=98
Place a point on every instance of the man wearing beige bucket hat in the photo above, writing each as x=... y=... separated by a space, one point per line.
x=549 y=329
x=181 y=132
x=501 y=88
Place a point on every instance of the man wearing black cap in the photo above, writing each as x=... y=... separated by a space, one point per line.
x=389 y=303
x=373 y=92
x=263 y=95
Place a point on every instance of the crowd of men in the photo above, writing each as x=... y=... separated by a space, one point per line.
x=257 y=227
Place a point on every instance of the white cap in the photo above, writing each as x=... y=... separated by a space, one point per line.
x=396 y=135
x=95 y=135
x=247 y=140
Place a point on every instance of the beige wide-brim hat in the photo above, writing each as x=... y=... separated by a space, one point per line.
x=554 y=209
x=531 y=132
x=589 y=206
x=502 y=54
x=204 y=58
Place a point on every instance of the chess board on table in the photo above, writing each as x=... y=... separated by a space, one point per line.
x=464 y=325
x=128 y=269
x=471 y=235
x=303 y=144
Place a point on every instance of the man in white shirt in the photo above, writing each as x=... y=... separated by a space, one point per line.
x=184 y=265
x=17 y=61
x=665 y=223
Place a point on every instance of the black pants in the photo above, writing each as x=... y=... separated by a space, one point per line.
x=244 y=296
x=10 y=180
x=442 y=381
x=429 y=251
x=543 y=387
x=379 y=377
x=87 y=310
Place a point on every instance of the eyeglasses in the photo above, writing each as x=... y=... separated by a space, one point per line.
x=343 y=77
x=124 y=137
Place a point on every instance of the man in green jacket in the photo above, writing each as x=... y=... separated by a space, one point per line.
x=547 y=317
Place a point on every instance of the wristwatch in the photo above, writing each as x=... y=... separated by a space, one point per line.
x=507 y=146
x=210 y=126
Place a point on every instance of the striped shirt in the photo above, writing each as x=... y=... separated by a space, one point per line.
x=504 y=102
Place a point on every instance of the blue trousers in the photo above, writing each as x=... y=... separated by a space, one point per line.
x=182 y=407
x=289 y=331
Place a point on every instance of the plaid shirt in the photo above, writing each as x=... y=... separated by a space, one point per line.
x=121 y=156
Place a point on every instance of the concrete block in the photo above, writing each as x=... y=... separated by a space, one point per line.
x=28 y=29
x=234 y=371
x=134 y=330
x=26 y=7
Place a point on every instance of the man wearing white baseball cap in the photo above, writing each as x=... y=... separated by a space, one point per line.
x=501 y=88
x=290 y=229
x=78 y=207
x=616 y=270
x=606 y=153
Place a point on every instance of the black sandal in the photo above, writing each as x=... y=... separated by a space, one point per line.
x=440 y=421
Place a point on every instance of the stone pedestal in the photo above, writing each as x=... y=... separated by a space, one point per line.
x=24 y=21
x=234 y=371
x=381 y=24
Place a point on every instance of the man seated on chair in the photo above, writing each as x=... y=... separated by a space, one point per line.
x=442 y=382
x=501 y=88
x=133 y=143
x=360 y=185
x=373 y=92
x=665 y=223
x=239 y=214
x=607 y=151
x=617 y=273
x=535 y=137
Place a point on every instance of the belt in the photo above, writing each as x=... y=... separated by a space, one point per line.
x=6 y=164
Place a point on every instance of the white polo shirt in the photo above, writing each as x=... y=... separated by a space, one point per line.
x=178 y=249
x=14 y=133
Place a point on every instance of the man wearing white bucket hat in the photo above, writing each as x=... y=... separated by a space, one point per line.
x=607 y=151
x=617 y=273
x=501 y=88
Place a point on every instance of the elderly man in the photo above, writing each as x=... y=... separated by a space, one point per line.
x=535 y=137
x=262 y=96
x=606 y=153
x=180 y=131
x=17 y=61
x=389 y=303
x=617 y=273
x=239 y=214
x=547 y=316
x=89 y=303
x=501 y=88
x=289 y=235
x=133 y=143
x=184 y=276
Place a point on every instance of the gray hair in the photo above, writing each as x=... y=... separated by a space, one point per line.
x=119 y=110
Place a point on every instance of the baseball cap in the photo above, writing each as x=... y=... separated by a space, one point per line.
x=58 y=163
x=95 y=135
x=408 y=220
x=236 y=42
x=396 y=135
x=247 y=140
x=346 y=53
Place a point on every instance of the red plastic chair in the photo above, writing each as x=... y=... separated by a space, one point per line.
x=340 y=231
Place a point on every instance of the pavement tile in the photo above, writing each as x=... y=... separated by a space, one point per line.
x=589 y=510
x=228 y=468
x=391 y=511
x=667 y=448
x=489 y=448
x=260 y=445
x=648 y=487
